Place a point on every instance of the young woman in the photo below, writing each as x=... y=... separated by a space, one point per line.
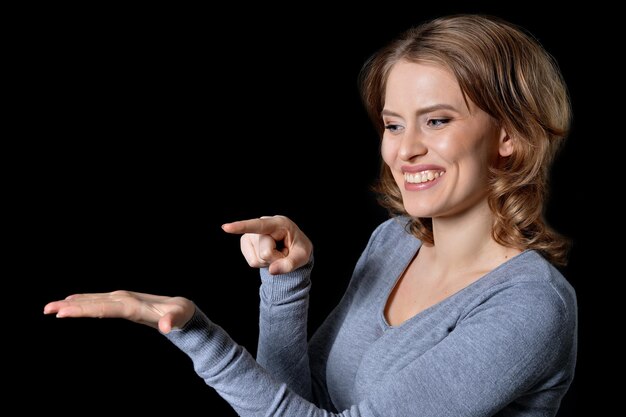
x=455 y=307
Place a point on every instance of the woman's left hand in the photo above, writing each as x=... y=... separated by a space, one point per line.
x=160 y=312
x=275 y=242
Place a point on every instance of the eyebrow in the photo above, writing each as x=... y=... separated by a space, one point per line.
x=423 y=110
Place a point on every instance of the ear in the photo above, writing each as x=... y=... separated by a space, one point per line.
x=505 y=143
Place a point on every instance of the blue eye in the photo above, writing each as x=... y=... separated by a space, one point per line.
x=393 y=128
x=437 y=122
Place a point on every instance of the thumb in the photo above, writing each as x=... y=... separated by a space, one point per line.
x=293 y=260
x=166 y=323
x=281 y=266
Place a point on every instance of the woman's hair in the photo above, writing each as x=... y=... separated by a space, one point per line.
x=509 y=75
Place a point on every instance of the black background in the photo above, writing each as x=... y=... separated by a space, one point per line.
x=153 y=127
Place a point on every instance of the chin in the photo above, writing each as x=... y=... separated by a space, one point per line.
x=418 y=208
x=419 y=212
x=420 y=216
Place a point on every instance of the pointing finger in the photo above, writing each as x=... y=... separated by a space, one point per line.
x=264 y=226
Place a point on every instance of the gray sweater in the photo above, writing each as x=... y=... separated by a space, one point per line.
x=503 y=346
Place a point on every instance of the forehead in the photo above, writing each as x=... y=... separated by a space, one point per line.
x=422 y=84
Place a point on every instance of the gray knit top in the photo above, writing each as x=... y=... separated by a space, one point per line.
x=503 y=346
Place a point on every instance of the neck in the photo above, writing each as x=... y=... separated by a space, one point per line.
x=474 y=248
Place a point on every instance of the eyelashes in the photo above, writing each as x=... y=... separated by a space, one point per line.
x=393 y=128
x=437 y=122
x=434 y=123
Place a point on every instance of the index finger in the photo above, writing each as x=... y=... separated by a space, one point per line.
x=264 y=226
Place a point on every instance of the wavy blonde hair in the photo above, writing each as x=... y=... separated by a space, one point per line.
x=510 y=76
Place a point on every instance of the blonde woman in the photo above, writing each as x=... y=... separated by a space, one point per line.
x=456 y=306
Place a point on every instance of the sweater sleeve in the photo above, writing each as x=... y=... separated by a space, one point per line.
x=250 y=389
x=497 y=352
x=282 y=347
x=501 y=349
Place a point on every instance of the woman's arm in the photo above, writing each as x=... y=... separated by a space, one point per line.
x=284 y=254
x=283 y=348
x=495 y=355
x=283 y=343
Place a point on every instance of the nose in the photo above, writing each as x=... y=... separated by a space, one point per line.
x=411 y=146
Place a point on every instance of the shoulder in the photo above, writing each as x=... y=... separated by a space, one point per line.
x=526 y=304
x=528 y=296
x=529 y=273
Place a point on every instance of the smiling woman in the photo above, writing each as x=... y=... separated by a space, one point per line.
x=457 y=139
x=455 y=307
x=512 y=82
x=440 y=156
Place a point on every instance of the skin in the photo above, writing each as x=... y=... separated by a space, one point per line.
x=258 y=245
x=460 y=138
x=427 y=121
x=464 y=141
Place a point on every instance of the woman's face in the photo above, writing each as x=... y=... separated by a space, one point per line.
x=437 y=148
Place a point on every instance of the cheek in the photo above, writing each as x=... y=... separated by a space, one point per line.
x=459 y=150
x=448 y=148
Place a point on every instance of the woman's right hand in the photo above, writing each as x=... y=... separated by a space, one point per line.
x=160 y=312
x=273 y=242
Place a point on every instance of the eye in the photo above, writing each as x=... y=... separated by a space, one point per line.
x=393 y=128
x=437 y=122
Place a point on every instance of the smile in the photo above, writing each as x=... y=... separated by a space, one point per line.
x=423 y=176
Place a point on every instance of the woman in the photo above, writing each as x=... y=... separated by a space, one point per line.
x=455 y=307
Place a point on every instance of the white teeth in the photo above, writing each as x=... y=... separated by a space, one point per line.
x=420 y=177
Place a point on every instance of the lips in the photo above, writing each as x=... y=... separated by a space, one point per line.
x=423 y=176
x=420 y=177
x=417 y=174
